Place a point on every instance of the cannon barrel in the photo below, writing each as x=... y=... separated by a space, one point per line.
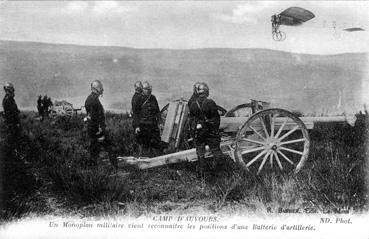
x=233 y=124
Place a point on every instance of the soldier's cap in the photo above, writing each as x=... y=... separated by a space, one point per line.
x=146 y=85
x=9 y=87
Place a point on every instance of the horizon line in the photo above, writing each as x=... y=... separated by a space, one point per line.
x=180 y=49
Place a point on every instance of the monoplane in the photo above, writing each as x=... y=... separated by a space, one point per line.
x=293 y=16
x=354 y=29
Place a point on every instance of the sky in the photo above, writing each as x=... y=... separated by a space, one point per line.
x=186 y=24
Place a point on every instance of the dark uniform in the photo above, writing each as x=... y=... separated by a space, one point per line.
x=45 y=110
x=204 y=112
x=39 y=106
x=191 y=118
x=96 y=113
x=136 y=108
x=149 y=114
x=12 y=120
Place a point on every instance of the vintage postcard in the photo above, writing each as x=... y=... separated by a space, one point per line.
x=185 y=119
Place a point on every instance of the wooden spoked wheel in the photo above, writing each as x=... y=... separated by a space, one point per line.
x=272 y=139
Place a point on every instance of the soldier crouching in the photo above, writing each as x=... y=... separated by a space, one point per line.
x=207 y=119
x=96 y=126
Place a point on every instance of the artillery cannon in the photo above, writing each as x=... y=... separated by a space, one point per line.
x=63 y=108
x=273 y=137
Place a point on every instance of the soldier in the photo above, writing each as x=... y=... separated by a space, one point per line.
x=191 y=120
x=45 y=107
x=49 y=104
x=195 y=93
x=39 y=106
x=96 y=125
x=136 y=103
x=11 y=114
x=206 y=116
x=148 y=133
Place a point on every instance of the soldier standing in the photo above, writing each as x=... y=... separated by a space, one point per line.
x=136 y=103
x=148 y=133
x=207 y=119
x=11 y=114
x=39 y=106
x=191 y=120
x=96 y=125
x=195 y=93
x=45 y=107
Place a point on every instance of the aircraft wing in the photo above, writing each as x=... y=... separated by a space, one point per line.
x=295 y=16
x=354 y=29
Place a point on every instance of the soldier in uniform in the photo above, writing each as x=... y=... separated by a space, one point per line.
x=148 y=133
x=39 y=106
x=195 y=93
x=45 y=107
x=136 y=103
x=207 y=119
x=11 y=115
x=191 y=120
x=96 y=125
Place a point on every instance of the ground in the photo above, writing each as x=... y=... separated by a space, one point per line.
x=47 y=176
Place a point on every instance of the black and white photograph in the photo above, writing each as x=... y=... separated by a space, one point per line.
x=186 y=119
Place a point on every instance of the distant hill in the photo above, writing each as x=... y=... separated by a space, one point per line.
x=308 y=83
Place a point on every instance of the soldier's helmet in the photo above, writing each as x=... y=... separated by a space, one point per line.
x=147 y=88
x=97 y=87
x=203 y=89
x=196 y=87
x=9 y=87
x=138 y=86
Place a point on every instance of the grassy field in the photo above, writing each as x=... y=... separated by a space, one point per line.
x=47 y=176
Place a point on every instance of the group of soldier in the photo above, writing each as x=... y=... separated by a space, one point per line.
x=43 y=106
x=204 y=121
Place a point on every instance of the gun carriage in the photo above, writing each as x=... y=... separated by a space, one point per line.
x=258 y=139
x=63 y=109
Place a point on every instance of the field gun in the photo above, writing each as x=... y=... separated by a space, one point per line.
x=266 y=139
x=63 y=109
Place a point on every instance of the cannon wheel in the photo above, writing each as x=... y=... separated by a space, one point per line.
x=262 y=145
